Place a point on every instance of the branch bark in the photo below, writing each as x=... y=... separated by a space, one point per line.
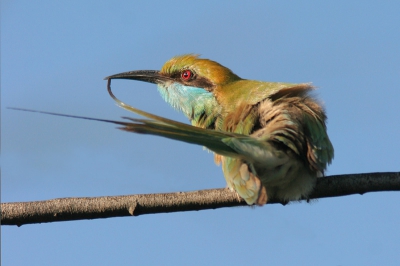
x=69 y=209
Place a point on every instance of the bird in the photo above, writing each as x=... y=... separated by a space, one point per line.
x=269 y=137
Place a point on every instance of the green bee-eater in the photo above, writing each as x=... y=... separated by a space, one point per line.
x=270 y=137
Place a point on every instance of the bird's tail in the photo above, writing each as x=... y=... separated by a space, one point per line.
x=221 y=142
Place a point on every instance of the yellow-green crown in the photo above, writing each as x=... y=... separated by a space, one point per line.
x=211 y=70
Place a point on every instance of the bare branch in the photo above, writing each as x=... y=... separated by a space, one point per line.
x=68 y=209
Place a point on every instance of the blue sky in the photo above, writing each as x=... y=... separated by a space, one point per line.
x=54 y=56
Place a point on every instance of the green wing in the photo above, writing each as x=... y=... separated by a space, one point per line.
x=319 y=147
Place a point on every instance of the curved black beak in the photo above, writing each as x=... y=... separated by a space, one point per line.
x=152 y=76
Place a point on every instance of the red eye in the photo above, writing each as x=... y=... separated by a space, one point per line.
x=186 y=75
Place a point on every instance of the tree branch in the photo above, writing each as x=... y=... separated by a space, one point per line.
x=69 y=209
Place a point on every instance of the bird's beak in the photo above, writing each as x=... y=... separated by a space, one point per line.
x=152 y=76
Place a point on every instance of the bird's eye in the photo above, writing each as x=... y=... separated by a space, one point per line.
x=187 y=75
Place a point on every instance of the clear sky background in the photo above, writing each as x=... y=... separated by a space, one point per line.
x=54 y=56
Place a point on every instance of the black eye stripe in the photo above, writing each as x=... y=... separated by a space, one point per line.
x=195 y=80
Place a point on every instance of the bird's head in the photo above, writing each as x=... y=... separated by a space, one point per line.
x=187 y=82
